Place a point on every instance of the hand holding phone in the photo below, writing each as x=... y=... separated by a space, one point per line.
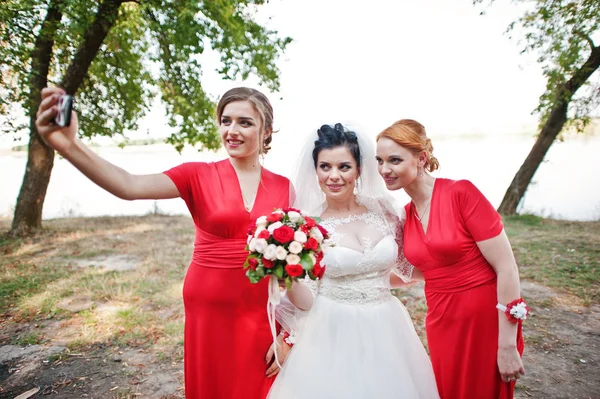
x=65 y=107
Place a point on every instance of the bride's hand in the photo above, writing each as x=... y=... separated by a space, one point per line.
x=56 y=137
x=282 y=284
x=282 y=352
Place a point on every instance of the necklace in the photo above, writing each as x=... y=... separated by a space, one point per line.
x=249 y=204
x=422 y=213
x=426 y=207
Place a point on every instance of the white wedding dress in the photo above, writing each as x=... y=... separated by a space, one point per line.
x=357 y=341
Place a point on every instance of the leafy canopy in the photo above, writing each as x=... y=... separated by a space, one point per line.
x=561 y=33
x=154 y=47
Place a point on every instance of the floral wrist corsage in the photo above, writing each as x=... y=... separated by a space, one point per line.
x=289 y=339
x=515 y=311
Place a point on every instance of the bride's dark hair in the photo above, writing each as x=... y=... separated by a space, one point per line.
x=336 y=136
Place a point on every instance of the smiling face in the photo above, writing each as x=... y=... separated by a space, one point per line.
x=240 y=128
x=397 y=165
x=337 y=171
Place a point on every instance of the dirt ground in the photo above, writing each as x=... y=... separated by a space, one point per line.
x=562 y=354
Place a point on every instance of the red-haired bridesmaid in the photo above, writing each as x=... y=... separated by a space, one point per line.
x=456 y=241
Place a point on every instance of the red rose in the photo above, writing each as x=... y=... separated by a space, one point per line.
x=310 y=222
x=252 y=229
x=294 y=270
x=252 y=263
x=274 y=217
x=319 y=256
x=311 y=244
x=264 y=234
x=323 y=231
x=305 y=229
x=286 y=210
x=318 y=271
x=268 y=263
x=284 y=234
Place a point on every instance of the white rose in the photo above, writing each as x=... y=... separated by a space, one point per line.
x=294 y=216
x=316 y=234
x=280 y=252
x=258 y=230
x=274 y=227
x=292 y=259
x=261 y=221
x=252 y=245
x=260 y=245
x=295 y=247
x=269 y=253
x=279 y=211
x=300 y=236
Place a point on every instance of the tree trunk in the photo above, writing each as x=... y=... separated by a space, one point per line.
x=553 y=126
x=28 y=212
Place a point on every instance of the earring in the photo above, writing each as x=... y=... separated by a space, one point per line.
x=420 y=171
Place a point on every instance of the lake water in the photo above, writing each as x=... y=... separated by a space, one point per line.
x=566 y=185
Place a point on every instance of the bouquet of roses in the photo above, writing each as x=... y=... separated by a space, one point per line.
x=286 y=244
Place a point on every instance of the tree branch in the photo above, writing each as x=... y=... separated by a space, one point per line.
x=42 y=55
x=107 y=15
x=586 y=38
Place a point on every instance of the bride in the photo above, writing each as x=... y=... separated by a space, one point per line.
x=357 y=341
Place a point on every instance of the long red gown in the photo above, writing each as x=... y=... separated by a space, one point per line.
x=227 y=332
x=460 y=289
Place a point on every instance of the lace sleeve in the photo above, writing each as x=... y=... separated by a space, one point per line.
x=402 y=268
x=289 y=316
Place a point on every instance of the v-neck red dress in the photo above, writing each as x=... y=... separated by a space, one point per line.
x=460 y=289
x=227 y=332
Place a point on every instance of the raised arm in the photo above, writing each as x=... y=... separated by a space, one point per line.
x=110 y=177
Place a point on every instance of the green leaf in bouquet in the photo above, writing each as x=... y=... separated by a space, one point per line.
x=288 y=282
x=252 y=276
x=278 y=271
x=260 y=272
x=306 y=262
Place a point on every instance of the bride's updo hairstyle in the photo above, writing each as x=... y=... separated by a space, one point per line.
x=411 y=134
x=336 y=136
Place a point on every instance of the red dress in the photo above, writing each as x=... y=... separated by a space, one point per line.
x=227 y=332
x=460 y=289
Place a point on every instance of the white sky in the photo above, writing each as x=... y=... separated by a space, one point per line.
x=374 y=62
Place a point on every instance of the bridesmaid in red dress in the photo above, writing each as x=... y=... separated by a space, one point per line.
x=227 y=343
x=456 y=241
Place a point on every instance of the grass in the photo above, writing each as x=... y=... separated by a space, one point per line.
x=558 y=254
x=40 y=278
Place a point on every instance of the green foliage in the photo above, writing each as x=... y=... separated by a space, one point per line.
x=154 y=47
x=559 y=33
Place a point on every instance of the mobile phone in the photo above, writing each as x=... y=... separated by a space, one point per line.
x=65 y=107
